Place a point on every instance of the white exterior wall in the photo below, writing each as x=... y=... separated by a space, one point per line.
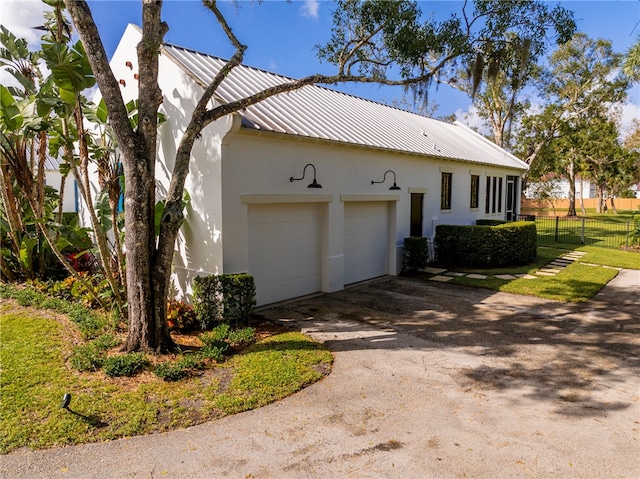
x=69 y=202
x=256 y=168
x=199 y=245
x=584 y=189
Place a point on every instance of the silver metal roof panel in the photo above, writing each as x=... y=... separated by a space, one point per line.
x=322 y=113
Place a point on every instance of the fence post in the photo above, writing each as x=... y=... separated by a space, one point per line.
x=628 y=233
x=557 y=221
x=582 y=234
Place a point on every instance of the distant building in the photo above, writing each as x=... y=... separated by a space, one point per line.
x=560 y=189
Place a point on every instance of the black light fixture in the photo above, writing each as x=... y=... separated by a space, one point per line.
x=66 y=399
x=314 y=184
x=394 y=187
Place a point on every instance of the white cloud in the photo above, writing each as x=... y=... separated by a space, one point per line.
x=310 y=8
x=630 y=112
x=471 y=119
x=21 y=16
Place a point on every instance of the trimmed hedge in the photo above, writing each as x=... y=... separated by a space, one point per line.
x=489 y=222
x=228 y=298
x=415 y=253
x=500 y=245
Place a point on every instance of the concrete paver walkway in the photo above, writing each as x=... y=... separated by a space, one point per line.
x=442 y=275
x=429 y=381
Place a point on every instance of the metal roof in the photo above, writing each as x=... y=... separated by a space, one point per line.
x=322 y=113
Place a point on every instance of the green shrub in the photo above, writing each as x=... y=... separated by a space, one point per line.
x=106 y=341
x=89 y=323
x=226 y=297
x=217 y=335
x=169 y=371
x=125 y=364
x=415 y=254
x=635 y=232
x=239 y=298
x=87 y=357
x=214 y=352
x=490 y=222
x=207 y=300
x=501 y=245
x=242 y=337
x=179 y=369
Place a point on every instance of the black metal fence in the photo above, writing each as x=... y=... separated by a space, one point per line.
x=582 y=231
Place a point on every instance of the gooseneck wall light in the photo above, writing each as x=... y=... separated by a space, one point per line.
x=394 y=187
x=314 y=184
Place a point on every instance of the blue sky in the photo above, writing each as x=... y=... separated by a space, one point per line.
x=281 y=35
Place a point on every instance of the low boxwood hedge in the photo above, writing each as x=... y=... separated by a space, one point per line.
x=500 y=245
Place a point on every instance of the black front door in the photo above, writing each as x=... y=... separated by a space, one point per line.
x=417 y=200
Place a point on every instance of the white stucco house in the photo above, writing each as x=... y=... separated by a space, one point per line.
x=584 y=188
x=315 y=189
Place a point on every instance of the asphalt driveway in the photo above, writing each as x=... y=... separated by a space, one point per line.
x=430 y=380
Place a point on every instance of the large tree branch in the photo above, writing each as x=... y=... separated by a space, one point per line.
x=346 y=56
x=109 y=87
x=233 y=62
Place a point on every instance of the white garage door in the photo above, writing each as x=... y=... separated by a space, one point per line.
x=284 y=250
x=366 y=240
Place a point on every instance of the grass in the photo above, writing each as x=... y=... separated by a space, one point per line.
x=576 y=283
x=601 y=230
x=36 y=346
x=608 y=257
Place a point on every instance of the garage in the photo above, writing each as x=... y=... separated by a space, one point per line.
x=366 y=240
x=284 y=250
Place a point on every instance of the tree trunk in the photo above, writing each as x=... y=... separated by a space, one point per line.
x=147 y=330
x=613 y=206
x=572 y=189
x=601 y=206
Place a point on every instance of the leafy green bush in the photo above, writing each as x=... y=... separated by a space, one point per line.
x=169 y=371
x=218 y=341
x=224 y=334
x=239 y=298
x=72 y=289
x=227 y=297
x=87 y=357
x=635 y=232
x=179 y=369
x=242 y=337
x=415 y=254
x=207 y=300
x=106 y=341
x=218 y=334
x=213 y=352
x=500 y=245
x=24 y=252
x=489 y=222
x=124 y=364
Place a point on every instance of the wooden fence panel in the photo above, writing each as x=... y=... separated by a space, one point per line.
x=589 y=203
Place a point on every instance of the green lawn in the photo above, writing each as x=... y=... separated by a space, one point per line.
x=35 y=375
x=599 y=230
x=576 y=283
